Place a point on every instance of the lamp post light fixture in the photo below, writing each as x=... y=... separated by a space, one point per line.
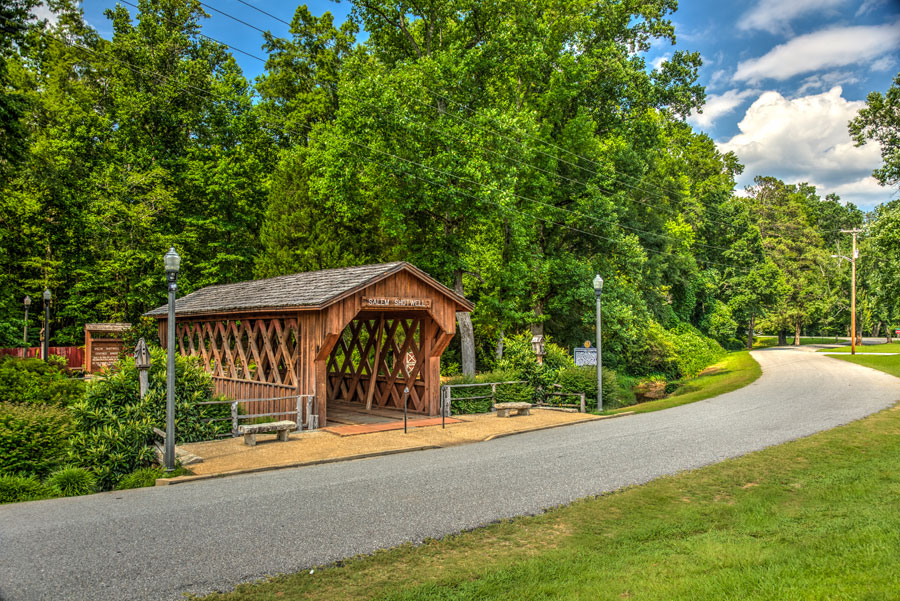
x=598 y=292
x=25 y=331
x=45 y=347
x=172 y=262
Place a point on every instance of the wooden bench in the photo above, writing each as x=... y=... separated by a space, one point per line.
x=504 y=408
x=281 y=429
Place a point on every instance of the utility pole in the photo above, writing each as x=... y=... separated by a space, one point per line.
x=852 y=260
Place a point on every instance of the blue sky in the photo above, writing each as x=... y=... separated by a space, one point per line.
x=783 y=77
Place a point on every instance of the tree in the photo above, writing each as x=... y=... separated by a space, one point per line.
x=879 y=120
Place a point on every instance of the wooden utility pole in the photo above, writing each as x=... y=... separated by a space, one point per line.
x=853 y=258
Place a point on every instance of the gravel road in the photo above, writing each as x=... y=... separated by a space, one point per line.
x=157 y=543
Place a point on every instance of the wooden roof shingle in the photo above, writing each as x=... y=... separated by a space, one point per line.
x=308 y=290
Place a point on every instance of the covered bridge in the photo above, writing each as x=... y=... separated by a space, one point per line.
x=357 y=335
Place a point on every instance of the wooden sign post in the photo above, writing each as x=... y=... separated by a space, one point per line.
x=102 y=345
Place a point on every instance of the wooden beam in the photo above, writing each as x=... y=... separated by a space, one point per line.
x=375 y=364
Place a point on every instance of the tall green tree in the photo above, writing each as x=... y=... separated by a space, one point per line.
x=879 y=120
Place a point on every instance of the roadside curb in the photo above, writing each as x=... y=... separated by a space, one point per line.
x=586 y=421
x=268 y=468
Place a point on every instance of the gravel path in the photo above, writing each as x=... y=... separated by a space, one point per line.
x=155 y=544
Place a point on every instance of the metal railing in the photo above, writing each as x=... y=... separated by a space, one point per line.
x=311 y=411
x=447 y=398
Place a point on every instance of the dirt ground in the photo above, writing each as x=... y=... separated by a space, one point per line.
x=232 y=455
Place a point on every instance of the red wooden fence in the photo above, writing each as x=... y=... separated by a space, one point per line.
x=74 y=354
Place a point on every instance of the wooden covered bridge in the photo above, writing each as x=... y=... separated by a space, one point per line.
x=356 y=335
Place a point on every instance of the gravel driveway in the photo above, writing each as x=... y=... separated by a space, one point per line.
x=156 y=543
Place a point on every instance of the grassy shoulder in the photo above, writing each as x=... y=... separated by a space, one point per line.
x=735 y=371
x=893 y=347
x=770 y=341
x=811 y=519
x=887 y=363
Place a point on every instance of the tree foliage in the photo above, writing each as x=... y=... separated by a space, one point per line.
x=512 y=150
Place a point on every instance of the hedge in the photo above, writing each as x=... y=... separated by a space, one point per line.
x=33 y=438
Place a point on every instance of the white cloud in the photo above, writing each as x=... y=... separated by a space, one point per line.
x=830 y=48
x=806 y=140
x=718 y=105
x=657 y=62
x=774 y=16
x=719 y=77
x=42 y=11
x=869 y=6
x=864 y=193
x=826 y=81
x=885 y=63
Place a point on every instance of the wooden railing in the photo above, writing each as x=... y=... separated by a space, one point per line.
x=267 y=398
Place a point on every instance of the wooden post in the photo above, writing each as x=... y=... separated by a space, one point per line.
x=234 y=418
x=299 y=413
x=375 y=364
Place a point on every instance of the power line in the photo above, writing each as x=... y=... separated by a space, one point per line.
x=211 y=39
x=258 y=9
x=531 y=215
x=539 y=202
x=655 y=192
x=596 y=219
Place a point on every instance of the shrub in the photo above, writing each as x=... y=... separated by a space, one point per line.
x=72 y=481
x=33 y=438
x=35 y=381
x=140 y=478
x=678 y=353
x=115 y=426
x=584 y=379
x=514 y=393
x=694 y=351
x=720 y=323
x=15 y=488
x=459 y=402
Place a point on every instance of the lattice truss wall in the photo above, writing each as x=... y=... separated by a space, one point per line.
x=393 y=346
x=265 y=351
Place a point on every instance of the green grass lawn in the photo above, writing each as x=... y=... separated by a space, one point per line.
x=769 y=341
x=734 y=371
x=886 y=363
x=893 y=347
x=813 y=519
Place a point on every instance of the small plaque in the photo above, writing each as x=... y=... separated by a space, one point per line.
x=381 y=302
x=585 y=356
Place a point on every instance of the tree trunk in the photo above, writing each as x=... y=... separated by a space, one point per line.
x=782 y=337
x=876 y=329
x=750 y=332
x=499 y=351
x=797 y=334
x=466 y=331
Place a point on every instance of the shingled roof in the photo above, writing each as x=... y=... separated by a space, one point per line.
x=311 y=289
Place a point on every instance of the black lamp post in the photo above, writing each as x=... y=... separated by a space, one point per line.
x=25 y=331
x=172 y=262
x=45 y=347
x=598 y=291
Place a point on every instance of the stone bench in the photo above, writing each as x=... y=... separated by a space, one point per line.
x=504 y=408
x=282 y=429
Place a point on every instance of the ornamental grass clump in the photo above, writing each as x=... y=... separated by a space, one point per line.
x=16 y=488
x=140 y=478
x=72 y=481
